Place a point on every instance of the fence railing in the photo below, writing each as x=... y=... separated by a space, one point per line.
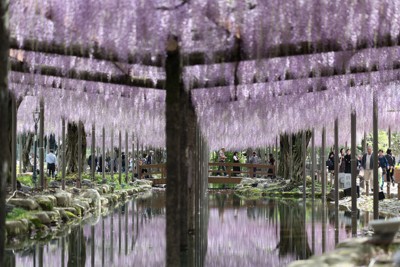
x=227 y=169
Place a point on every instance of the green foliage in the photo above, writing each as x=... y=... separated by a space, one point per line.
x=17 y=214
x=26 y=180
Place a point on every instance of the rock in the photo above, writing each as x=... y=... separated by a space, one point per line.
x=28 y=204
x=104 y=202
x=331 y=195
x=43 y=217
x=105 y=188
x=9 y=208
x=248 y=181
x=130 y=191
x=141 y=182
x=15 y=228
x=23 y=188
x=63 y=198
x=94 y=196
x=104 y=181
x=76 y=190
x=54 y=184
x=82 y=203
x=262 y=186
x=87 y=182
x=45 y=202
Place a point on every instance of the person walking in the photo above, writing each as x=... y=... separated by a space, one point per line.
x=222 y=159
x=367 y=164
x=347 y=161
x=382 y=170
x=391 y=163
x=236 y=169
x=342 y=164
x=51 y=161
x=254 y=160
x=271 y=161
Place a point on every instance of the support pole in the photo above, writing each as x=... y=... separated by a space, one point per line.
x=375 y=157
x=5 y=123
x=353 y=173
x=80 y=167
x=63 y=155
x=336 y=181
x=304 y=156
x=313 y=164
x=126 y=157
x=112 y=155
x=41 y=145
x=133 y=158
x=103 y=156
x=14 y=143
x=93 y=153
x=291 y=156
x=137 y=157
x=276 y=155
x=120 y=157
x=323 y=165
x=336 y=166
x=390 y=137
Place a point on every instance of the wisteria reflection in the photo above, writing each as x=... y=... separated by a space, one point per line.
x=267 y=232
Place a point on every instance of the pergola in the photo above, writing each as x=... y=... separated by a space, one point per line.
x=184 y=74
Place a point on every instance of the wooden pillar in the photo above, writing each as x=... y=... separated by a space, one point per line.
x=375 y=157
x=120 y=157
x=126 y=157
x=323 y=165
x=276 y=154
x=365 y=142
x=112 y=155
x=80 y=165
x=20 y=154
x=336 y=165
x=290 y=156
x=63 y=154
x=137 y=158
x=41 y=145
x=13 y=143
x=390 y=137
x=304 y=156
x=133 y=157
x=353 y=173
x=93 y=153
x=5 y=123
x=103 y=156
x=313 y=164
x=336 y=180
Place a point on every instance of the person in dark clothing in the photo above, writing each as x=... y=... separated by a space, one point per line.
x=100 y=165
x=123 y=161
x=90 y=162
x=271 y=161
x=391 y=163
x=236 y=169
x=347 y=161
x=331 y=162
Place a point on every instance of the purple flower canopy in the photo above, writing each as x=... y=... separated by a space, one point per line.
x=268 y=67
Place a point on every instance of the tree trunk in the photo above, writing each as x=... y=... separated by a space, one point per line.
x=27 y=142
x=72 y=147
x=297 y=153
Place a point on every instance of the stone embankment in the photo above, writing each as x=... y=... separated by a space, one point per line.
x=38 y=216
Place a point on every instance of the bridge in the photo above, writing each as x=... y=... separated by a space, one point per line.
x=233 y=173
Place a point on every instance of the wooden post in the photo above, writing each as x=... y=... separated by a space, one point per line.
x=112 y=155
x=304 y=149
x=353 y=173
x=276 y=152
x=80 y=165
x=323 y=165
x=390 y=137
x=126 y=157
x=103 y=155
x=63 y=154
x=93 y=153
x=13 y=143
x=313 y=164
x=41 y=145
x=5 y=123
x=290 y=156
x=375 y=157
x=137 y=158
x=336 y=166
x=133 y=157
x=20 y=154
x=120 y=157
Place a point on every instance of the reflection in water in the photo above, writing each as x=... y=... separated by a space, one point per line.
x=268 y=232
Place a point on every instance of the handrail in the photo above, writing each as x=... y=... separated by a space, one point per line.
x=251 y=169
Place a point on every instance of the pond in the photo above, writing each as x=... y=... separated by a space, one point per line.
x=266 y=232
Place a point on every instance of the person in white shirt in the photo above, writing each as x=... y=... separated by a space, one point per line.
x=51 y=161
x=367 y=164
